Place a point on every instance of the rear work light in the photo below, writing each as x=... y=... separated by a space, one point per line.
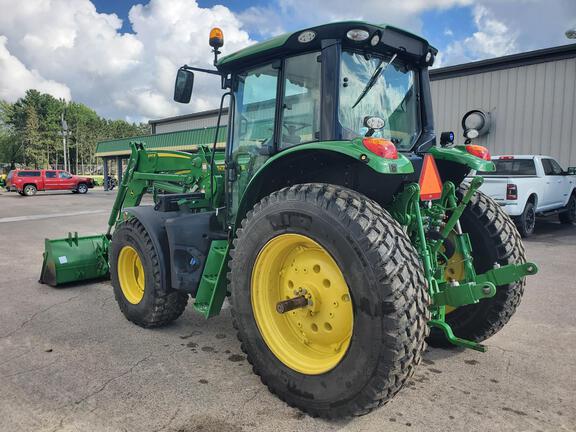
x=506 y=157
x=511 y=192
x=478 y=151
x=381 y=147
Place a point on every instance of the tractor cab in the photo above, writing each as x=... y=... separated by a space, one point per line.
x=341 y=95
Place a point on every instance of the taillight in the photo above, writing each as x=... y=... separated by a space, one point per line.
x=381 y=147
x=511 y=192
x=478 y=151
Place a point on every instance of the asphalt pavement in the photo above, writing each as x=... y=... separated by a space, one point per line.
x=70 y=361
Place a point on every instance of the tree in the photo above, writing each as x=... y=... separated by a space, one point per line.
x=31 y=130
x=33 y=150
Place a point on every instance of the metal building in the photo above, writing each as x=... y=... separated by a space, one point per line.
x=200 y=120
x=530 y=99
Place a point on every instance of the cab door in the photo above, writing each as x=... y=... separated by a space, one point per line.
x=562 y=183
x=65 y=180
x=277 y=106
x=254 y=125
x=51 y=180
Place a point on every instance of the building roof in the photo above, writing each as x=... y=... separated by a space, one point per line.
x=200 y=114
x=505 y=62
x=181 y=140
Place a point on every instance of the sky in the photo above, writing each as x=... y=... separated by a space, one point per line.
x=120 y=56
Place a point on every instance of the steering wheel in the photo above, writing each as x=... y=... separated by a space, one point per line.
x=293 y=126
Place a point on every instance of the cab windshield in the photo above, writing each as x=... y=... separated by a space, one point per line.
x=380 y=87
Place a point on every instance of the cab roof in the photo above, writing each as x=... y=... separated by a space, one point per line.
x=392 y=40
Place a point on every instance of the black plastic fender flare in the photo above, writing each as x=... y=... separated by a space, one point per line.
x=155 y=224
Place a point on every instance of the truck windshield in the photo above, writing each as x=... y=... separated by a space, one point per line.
x=391 y=97
x=512 y=167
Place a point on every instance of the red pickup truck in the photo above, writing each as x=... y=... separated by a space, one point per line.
x=28 y=182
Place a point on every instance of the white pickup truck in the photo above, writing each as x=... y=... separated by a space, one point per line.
x=528 y=186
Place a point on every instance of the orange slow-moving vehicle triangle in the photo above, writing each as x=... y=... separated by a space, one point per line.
x=430 y=182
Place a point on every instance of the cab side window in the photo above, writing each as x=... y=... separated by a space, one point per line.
x=556 y=168
x=301 y=100
x=50 y=174
x=547 y=165
x=254 y=120
x=255 y=112
x=64 y=175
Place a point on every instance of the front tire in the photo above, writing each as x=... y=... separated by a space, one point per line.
x=137 y=274
x=82 y=188
x=494 y=239
x=328 y=238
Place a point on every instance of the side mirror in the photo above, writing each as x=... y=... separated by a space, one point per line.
x=571 y=171
x=183 y=86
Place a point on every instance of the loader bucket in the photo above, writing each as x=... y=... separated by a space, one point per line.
x=75 y=259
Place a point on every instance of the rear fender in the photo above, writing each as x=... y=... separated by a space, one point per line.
x=345 y=163
x=459 y=155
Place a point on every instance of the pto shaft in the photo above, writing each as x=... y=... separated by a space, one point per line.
x=291 y=304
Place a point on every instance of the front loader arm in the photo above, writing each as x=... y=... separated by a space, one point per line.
x=166 y=171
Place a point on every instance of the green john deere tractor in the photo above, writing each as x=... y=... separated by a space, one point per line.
x=343 y=235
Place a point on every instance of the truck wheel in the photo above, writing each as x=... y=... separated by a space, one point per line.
x=82 y=188
x=30 y=190
x=137 y=277
x=494 y=239
x=361 y=326
x=569 y=216
x=527 y=220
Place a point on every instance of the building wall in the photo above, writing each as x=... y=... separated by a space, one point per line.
x=187 y=124
x=533 y=108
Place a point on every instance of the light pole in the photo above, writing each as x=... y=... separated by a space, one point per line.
x=64 y=126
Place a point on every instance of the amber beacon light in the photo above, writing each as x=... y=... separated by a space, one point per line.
x=216 y=38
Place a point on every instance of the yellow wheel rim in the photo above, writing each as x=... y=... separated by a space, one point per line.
x=311 y=340
x=131 y=274
x=454 y=271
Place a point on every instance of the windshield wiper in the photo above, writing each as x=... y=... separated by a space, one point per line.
x=375 y=75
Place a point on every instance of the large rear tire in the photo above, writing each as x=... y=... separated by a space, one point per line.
x=360 y=274
x=494 y=239
x=137 y=276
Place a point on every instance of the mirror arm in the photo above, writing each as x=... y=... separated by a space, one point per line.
x=209 y=71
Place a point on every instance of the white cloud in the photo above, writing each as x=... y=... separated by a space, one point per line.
x=492 y=39
x=68 y=49
x=282 y=14
x=509 y=26
x=15 y=78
